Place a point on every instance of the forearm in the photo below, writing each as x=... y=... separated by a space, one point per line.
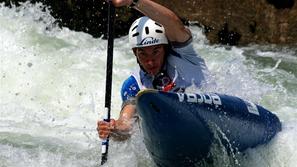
x=175 y=30
x=157 y=12
x=121 y=131
x=123 y=126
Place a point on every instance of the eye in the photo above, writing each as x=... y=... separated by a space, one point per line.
x=156 y=52
x=141 y=55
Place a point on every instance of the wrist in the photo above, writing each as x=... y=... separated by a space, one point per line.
x=133 y=3
x=112 y=124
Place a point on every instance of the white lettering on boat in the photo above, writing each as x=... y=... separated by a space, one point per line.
x=252 y=108
x=200 y=98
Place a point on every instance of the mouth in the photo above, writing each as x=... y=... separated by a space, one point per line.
x=152 y=70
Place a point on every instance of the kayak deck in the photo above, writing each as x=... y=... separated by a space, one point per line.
x=179 y=128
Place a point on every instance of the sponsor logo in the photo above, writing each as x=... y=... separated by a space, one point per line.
x=252 y=108
x=211 y=98
x=149 y=41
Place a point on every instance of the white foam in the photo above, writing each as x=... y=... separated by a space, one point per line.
x=53 y=87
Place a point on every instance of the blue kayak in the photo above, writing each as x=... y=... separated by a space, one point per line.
x=179 y=128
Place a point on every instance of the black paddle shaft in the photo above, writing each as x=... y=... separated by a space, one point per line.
x=108 y=86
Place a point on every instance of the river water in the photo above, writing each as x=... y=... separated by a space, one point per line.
x=52 y=93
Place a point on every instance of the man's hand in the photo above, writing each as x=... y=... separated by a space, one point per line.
x=119 y=3
x=119 y=129
x=105 y=128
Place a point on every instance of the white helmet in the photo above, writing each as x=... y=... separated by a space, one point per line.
x=146 y=32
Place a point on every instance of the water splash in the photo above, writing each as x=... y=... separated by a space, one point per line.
x=52 y=82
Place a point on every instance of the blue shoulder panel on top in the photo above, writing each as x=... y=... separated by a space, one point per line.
x=130 y=88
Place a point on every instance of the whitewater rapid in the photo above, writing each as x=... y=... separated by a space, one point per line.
x=52 y=93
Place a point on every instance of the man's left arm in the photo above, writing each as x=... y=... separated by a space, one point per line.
x=175 y=30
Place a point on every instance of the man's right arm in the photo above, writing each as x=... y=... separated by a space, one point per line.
x=123 y=126
x=121 y=129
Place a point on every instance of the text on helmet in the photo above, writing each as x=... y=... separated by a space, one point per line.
x=149 y=41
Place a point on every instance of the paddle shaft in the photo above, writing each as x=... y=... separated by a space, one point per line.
x=108 y=85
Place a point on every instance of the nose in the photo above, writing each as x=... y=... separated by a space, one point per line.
x=150 y=62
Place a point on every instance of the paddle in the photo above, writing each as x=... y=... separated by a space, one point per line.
x=108 y=86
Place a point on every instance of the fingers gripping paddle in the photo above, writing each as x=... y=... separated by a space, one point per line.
x=108 y=86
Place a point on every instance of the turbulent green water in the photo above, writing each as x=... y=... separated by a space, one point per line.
x=52 y=93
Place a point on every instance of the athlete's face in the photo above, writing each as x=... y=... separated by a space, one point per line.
x=151 y=58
